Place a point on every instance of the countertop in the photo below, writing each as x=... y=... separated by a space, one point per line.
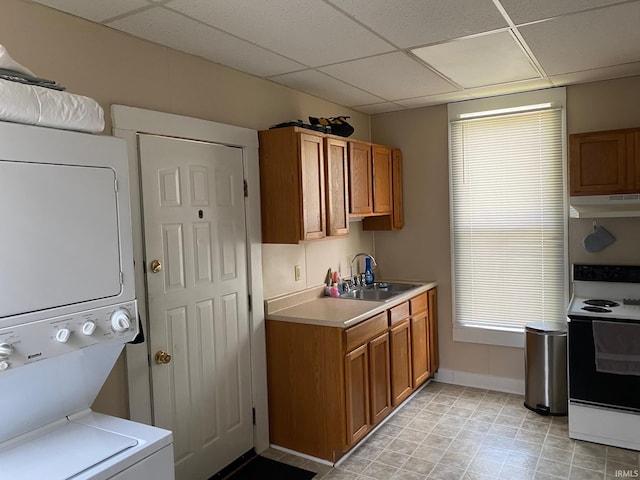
x=312 y=307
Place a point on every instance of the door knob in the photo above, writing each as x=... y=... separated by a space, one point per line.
x=162 y=357
x=156 y=266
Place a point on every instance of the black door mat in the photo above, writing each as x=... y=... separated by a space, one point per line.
x=261 y=467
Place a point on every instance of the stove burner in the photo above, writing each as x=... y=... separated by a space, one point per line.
x=596 y=309
x=602 y=303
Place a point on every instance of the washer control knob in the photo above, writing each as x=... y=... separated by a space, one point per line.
x=88 y=328
x=5 y=350
x=120 y=321
x=4 y=365
x=63 y=335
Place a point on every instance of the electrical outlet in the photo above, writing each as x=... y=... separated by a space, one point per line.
x=297 y=272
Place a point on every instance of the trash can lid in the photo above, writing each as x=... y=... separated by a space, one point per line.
x=547 y=327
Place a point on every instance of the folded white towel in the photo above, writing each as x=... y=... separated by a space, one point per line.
x=35 y=105
x=10 y=64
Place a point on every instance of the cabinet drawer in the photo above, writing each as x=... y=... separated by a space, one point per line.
x=419 y=303
x=398 y=313
x=359 y=334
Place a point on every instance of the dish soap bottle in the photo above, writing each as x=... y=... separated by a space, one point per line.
x=368 y=273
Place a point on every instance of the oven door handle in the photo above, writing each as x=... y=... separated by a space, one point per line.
x=581 y=319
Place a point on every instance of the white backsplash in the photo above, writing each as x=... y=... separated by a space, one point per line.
x=314 y=258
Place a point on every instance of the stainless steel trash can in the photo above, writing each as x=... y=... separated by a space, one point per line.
x=545 y=368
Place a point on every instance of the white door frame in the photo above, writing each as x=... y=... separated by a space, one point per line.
x=127 y=123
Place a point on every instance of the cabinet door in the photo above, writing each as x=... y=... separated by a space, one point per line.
x=357 y=393
x=398 y=206
x=360 y=191
x=636 y=156
x=601 y=163
x=312 y=178
x=337 y=191
x=382 y=182
x=379 y=378
x=419 y=348
x=400 y=349
x=394 y=221
x=434 y=361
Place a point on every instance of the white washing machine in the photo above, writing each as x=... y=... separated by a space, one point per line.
x=67 y=308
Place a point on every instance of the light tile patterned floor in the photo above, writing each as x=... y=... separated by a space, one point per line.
x=448 y=432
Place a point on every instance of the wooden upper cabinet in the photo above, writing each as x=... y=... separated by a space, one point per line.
x=394 y=221
x=360 y=179
x=337 y=182
x=313 y=187
x=604 y=163
x=292 y=185
x=382 y=181
x=636 y=147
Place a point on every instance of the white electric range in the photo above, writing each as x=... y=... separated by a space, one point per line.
x=604 y=355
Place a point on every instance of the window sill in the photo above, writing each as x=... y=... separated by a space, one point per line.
x=489 y=336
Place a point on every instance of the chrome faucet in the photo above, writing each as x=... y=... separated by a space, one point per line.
x=361 y=254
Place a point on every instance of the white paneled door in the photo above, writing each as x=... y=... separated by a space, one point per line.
x=195 y=249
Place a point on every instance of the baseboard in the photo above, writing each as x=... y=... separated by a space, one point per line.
x=301 y=455
x=479 y=380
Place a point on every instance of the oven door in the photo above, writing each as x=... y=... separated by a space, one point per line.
x=586 y=384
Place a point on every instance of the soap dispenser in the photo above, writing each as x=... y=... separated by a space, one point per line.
x=368 y=273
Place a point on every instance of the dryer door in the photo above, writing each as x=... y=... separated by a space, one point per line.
x=59 y=236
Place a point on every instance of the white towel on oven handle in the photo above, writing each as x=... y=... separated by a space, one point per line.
x=617 y=347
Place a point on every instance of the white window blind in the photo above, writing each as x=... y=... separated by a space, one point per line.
x=508 y=219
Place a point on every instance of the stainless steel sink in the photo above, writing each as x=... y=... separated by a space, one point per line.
x=392 y=287
x=379 y=292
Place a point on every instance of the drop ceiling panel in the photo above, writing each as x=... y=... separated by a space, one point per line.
x=391 y=76
x=506 y=88
x=96 y=11
x=587 y=40
x=412 y=23
x=377 y=108
x=323 y=86
x=617 y=71
x=360 y=43
x=307 y=31
x=479 y=61
x=434 y=99
x=522 y=11
x=184 y=34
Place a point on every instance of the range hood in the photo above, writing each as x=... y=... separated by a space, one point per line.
x=601 y=206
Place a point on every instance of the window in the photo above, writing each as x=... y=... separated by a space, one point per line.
x=508 y=215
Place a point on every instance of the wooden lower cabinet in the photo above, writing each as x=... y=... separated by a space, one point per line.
x=367 y=386
x=379 y=378
x=434 y=355
x=357 y=391
x=328 y=386
x=420 y=351
x=400 y=349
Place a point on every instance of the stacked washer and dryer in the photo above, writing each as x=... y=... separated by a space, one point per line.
x=67 y=309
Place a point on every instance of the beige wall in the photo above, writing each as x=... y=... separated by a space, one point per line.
x=422 y=249
x=115 y=68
